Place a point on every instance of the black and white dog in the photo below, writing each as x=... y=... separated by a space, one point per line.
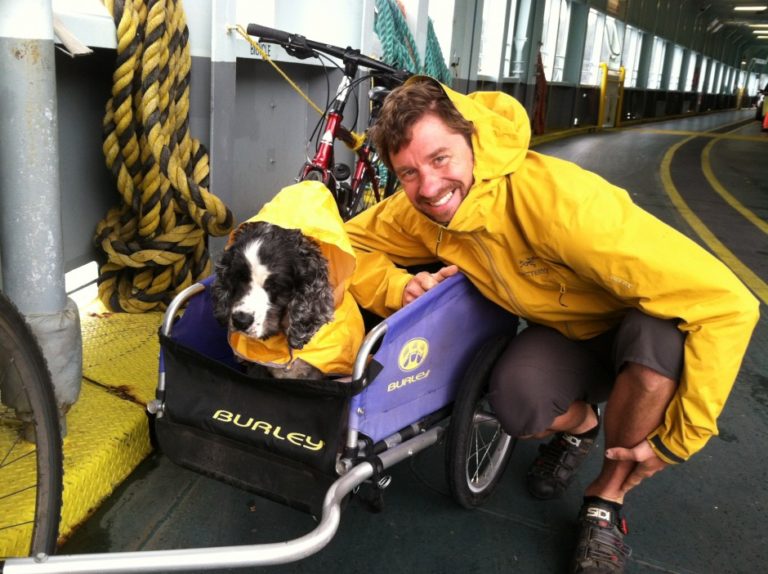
x=271 y=281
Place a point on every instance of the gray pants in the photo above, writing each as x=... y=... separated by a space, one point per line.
x=542 y=372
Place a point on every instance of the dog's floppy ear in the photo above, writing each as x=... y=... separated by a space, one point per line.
x=221 y=290
x=312 y=304
x=232 y=272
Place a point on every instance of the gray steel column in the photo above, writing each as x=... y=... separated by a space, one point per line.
x=30 y=216
x=30 y=234
x=521 y=38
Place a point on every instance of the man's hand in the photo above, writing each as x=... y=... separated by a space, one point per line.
x=647 y=465
x=424 y=281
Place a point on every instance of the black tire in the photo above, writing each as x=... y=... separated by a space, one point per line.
x=364 y=197
x=30 y=473
x=360 y=198
x=477 y=449
x=391 y=185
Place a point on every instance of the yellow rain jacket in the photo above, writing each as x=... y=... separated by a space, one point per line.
x=310 y=207
x=562 y=247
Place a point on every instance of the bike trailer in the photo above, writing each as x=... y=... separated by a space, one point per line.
x=309 y=444
x=281 y=438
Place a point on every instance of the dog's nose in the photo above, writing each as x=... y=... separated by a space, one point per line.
x=241 y=321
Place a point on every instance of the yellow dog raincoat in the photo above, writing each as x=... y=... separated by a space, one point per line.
x=309 y=207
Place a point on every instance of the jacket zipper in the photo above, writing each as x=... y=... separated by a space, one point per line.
x=566 y=324
x=495 y=274
x=440 y=230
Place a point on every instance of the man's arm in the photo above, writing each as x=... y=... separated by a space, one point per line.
x=386 y=239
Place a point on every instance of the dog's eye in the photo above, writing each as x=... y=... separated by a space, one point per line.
x=238 y=273
x=234 y=276
x=278 y=283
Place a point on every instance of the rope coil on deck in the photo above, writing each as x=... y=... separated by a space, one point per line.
x=156 y=240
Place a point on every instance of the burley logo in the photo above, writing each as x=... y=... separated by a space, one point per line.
x=413 y=354
x=277 y=432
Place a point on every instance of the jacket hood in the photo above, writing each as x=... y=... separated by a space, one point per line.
x=309 y=207
x=502 y=134
x=502 y=130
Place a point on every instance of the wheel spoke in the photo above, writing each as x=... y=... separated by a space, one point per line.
x=483 y=449
x=6 y=463
x=473 y=456
x=19 y=491
x=16 y=525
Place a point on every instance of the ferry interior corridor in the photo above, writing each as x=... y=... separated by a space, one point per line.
x=101 y=226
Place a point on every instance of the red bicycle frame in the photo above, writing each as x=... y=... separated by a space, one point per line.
x=347 y=186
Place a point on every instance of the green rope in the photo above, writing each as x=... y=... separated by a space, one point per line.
x=434 y=63
x=399 y=46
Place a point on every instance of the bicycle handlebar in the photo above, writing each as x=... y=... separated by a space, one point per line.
x=302 y=48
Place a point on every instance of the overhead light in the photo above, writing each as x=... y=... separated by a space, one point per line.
x=758 y=25
x=751 y=8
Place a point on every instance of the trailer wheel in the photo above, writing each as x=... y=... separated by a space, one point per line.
x=477 y=449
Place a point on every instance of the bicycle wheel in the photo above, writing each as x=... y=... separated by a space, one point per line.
x=364 y=196
x=391 y=183
x=30 y=472
x=477 y=449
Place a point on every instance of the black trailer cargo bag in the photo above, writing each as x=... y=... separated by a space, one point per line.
x=275 y=437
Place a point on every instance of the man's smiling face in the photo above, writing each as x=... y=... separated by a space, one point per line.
x=435 y=168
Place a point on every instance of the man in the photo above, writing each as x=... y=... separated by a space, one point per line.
x=621 y=308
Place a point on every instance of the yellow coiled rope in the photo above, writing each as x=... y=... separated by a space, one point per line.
x=156 y=240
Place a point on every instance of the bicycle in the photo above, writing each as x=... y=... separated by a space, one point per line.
x=349 y=186
x=30 y=442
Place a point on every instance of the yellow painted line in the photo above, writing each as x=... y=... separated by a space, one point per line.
x=758 y=138
x=757 y=285
x=706 y=166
